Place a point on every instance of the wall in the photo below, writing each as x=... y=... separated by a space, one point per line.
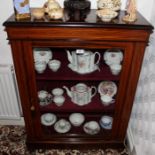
x=7 y=7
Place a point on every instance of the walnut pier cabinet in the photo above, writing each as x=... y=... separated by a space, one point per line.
x=78 y=37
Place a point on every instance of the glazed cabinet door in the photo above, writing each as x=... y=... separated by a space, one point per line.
x=77 y=89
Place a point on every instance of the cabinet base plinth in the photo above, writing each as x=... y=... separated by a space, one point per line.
x=78 y=144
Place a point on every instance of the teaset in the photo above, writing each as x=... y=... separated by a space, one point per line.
x=64 y=125
x=81 y=61
x=43 y=58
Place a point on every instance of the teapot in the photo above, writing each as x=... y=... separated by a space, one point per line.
x=83 y=61
x=81 y=94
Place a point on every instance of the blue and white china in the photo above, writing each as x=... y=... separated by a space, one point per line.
x=106 y=122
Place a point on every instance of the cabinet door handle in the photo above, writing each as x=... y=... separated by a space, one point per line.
x=32 y=108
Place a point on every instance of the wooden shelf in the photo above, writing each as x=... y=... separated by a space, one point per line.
x=67 y=74
x=77 y=131
x=68 y=106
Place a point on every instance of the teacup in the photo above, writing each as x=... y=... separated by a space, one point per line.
x=106 y=122
x=42 y=95
x=106 y=99
x=115 y=68
x=54 y=65
x=40 y=66
x=59 y=100
x=57 y=91
x=93 y=125
x=42 y=54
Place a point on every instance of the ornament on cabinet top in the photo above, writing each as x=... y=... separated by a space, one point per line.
x=106 y=15
x=53 y=9
x=22 y=9
x=131 y=12
x=114 y=5
x=38 y=13
x=82 y=61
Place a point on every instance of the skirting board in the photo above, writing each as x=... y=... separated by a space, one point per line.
x=12 y=122
x=131 y=142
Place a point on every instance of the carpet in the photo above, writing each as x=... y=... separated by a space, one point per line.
x=12 y=142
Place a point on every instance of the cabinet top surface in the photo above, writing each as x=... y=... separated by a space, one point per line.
x=78 y=19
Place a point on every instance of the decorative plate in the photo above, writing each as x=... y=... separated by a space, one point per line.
x=107 y=88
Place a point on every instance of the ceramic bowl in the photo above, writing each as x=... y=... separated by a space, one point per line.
x=59 y=100
x=54 y=65
x=76 y=119
x=106 y=15
x=38 y=13
x=57 y=91
x=40 y=66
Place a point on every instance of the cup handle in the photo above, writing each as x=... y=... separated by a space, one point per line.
x=99 y=57
x=95 y=91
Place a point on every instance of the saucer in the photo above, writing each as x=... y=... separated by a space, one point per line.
x=107 y=88
x=83 y=72
x=44 y=122
x=62 y=130
x=90 y=131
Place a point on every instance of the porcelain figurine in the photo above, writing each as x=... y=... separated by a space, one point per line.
x=56 y=13
x=131 y=12
x=53 y=9
x=50 y=5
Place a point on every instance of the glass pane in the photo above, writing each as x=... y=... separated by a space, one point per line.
x=77 y=90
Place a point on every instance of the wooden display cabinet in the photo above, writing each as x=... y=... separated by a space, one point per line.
x=86 y=32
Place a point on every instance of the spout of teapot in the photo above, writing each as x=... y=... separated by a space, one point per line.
x=68 y=91
x=69 y=56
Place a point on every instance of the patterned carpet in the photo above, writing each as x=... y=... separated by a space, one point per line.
x=12 y=142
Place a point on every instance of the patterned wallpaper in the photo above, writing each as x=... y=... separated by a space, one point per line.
x=142 y=120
